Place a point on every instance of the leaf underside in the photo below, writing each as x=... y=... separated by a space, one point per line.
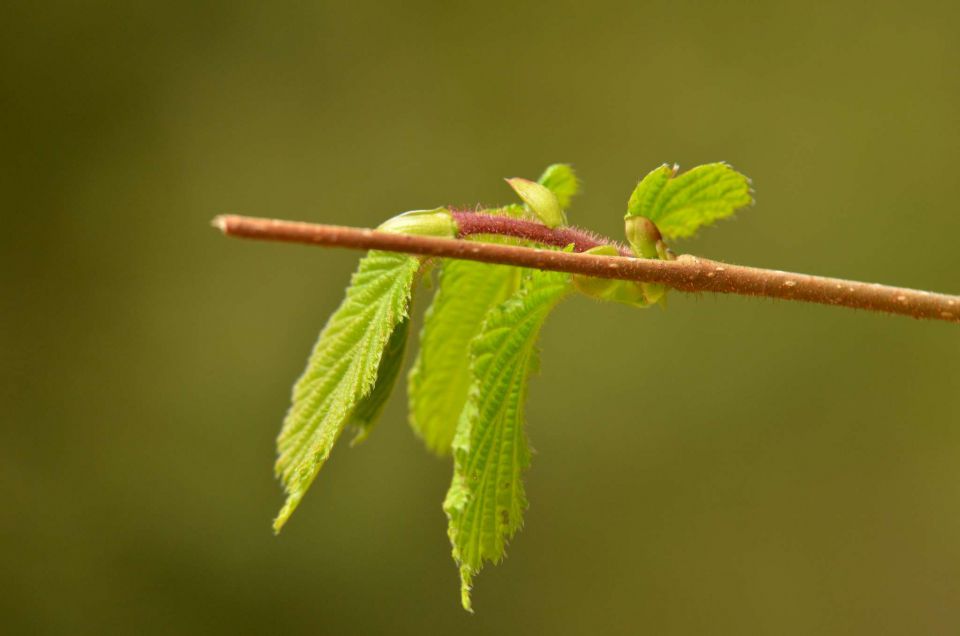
x=342 y=371
x=680 y=205
x=486 y=498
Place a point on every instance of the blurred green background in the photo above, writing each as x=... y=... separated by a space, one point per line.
x=726 y=466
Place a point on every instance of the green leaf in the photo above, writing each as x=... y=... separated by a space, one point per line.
x=440 y=377
x=486 y=500
x=681 y=204
x=541 y=200
x=342 y=369
x=368 y=411
x=562 y=181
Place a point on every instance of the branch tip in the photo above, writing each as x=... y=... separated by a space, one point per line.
x=220 y=222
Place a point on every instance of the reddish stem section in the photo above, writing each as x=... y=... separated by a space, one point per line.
x=687 y=273
x=475 y=223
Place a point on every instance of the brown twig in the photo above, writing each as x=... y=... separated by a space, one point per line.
x=686 y=273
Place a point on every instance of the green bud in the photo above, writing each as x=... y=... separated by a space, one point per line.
x=438 y=222
x=541 y=200
x=618 y=291
x=664 y=252
x=643 y=236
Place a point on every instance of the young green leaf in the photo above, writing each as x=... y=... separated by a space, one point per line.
x=440 y=377
x=681 y=204
x=486 y=499
x=541 y=200
x=342 y=370
x=368 y=411
x=562 y=181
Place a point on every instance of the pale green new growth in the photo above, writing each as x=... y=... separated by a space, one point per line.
x=562 y=181
x=541 y=200
x=439 y=380
x=681 y=204
x=440 y=377
x=435 y=222
x=342 y=370
x=486 y=499
x=478 y=348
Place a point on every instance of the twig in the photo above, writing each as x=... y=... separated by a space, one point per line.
x=476 y=223
x=686 y=273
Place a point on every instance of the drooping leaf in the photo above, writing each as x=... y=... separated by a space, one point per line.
x=486 y=499
x=440 y=376
x=562 y=181
x=681 y=204
x=342 y=370
x=367 y=412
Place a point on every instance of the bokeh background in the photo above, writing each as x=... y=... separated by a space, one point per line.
x=726 y=466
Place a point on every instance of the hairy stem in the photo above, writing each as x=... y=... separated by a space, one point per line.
x=686 y=273
x=475 y=223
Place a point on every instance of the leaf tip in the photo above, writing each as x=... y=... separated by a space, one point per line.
x=540 y=199
x=293 y=500
x=363 y=432
x=466 y=582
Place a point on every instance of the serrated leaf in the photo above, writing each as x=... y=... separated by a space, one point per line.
x=367 y=412
x=562 y=181
x=681 y=204
x=440 y=377
x=486 y=499
x=342 y=370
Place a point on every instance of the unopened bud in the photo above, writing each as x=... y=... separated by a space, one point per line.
x=665 y=253
x=438 y=222
x=643 y=235
x=541 y=200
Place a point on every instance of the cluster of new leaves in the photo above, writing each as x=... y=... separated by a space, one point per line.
x=477 y=348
